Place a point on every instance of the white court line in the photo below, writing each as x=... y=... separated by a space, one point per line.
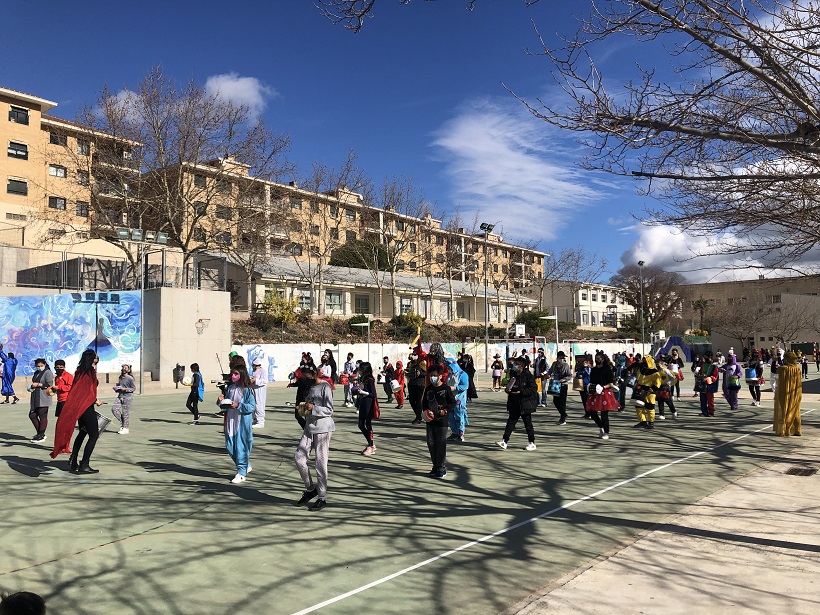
x=549 y=513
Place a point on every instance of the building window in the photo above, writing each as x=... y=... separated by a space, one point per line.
x=296 y=249
x=200 y=181
x=18 y=150
x=18 y=115
x=583 y=295
x=584 y=318
x=83 y=147
x=314 y=251
x=224 y=238
x=400 y=225
x=304 y=300
x=495 y=268
x=56 y=233
x=350 y=215
x=223 y=212
x=603 y=297
x=595 y=296
x=361 y=304
x=55 y=170
x=83 y=178
x=200 y=208
x=412 y=248
x=413 y=265
x=314 y=207
x=17 y=217
x=17 y=186
x=504 y=269
x=314 y=230
x=350 y=236
x=334 y=233
x=333 y=301
x=199 y=234
x=223 y=186
x=594 y=316
x=295 y=226
x=406 y=305
x=56 y=202
x=57 y=139
x=439 y=240
x=295 y=202
x=82 y=208
x=333 y=210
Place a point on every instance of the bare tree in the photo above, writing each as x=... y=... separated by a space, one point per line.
x=179 y=158
x=653 y=292
x=579 y=267
x=734 y=137
x=789 y=318
x=741 y=318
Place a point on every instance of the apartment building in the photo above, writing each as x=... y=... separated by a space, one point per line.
x=589 y=306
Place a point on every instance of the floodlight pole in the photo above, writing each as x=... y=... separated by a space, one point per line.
x=486 y=228
x=643 y=342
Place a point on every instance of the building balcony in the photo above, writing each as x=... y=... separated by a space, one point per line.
x=115 y=160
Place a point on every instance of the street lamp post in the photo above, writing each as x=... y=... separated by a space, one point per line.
x=640 y=274
x=487 y=228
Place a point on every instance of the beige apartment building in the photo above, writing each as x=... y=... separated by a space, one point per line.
x=76 y=199
x=589 y=306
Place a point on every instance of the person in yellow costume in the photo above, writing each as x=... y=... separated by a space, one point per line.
x=787 y=397
x=651 y=378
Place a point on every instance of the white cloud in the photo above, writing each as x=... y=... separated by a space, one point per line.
x=674 y=250
x=248 y=91
x=507 y=166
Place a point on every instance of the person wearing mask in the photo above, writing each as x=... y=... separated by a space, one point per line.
x=560 y=371
x=398 y=375
x=732 y=375
x=368 y=405
x=317 y=410
x=468 y=366
x=436 y=356
x=676 y=364
x=666 y=394
x=239 y=420
x=334 y=371
x=62 y=384
x=804 y=364
x=259 y=384
x=497 y=368
x=304 y=376
x=326 y=371
x=387 y=374
x=41 y=386
x=582 y=373
x=9 y=374
x=416 y=380
x=522 y=401
x=754 y=382
x=601 y=400
x=697 y=368
x=650 y=379
x=459 y=382
x=539 y=368
x=124 y=388
x=80 y=408
x=437 y=403
x=709 y=377
x=197 y=393
x=348 y=370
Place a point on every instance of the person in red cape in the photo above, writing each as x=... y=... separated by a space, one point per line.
x=79 y=406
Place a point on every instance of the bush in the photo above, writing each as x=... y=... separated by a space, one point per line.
x=358 y=319
x=406 y=324
x=275 y=311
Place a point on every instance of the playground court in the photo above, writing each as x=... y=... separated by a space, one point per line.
x=161 y=530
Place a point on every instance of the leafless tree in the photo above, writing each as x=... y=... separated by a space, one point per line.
x=579 y=267
x=731 y=143
x=662 y=296
x=741 y=318
x=786 y=320
x=180 y=158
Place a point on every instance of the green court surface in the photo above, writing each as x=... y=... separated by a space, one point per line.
x=162 y=530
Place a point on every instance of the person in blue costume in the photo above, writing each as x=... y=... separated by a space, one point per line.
x=459 y=382
x=239 y=420
x=9 y=374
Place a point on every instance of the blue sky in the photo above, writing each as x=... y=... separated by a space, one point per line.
x=417 y=93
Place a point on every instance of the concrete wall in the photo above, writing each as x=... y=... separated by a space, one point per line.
x=171 y=335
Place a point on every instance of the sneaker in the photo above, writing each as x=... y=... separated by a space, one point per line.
x=440 y=474
x=416 y=422
x=601 y=433
x=250 y=467
x=502 y=444
x=258 y=426
x=540 y=406
x=650 y=425
x=194 y=422
x=675 y=415
x=561 y=422
x=86 y=469
x=369 y=450
x=530 y=447
x=453 y=436
x=123 y=431
x=460 y=438
x=318 y=505
x=661 y=417
x=605 y=436
x=307 y=496
x=400 y=406
x=641 y=424
x=432 y=473
x=587 y=415
x=238 y=479
x=16 y=399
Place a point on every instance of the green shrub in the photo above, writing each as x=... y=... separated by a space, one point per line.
x=275 y=311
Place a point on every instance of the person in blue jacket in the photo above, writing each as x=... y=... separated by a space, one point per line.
x=459 y=382
x=197 y=393
x=9 y=374
x=239 y=420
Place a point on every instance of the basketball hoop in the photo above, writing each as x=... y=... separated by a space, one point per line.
x=201 y=325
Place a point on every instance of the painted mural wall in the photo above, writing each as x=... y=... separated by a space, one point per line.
x=63 y=326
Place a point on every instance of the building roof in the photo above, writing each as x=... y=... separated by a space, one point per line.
x=44 y=104
x=289 y=270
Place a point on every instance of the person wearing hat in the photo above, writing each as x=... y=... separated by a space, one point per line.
x=259 y=384
x=318 y=429
x=522 y=400
x=498 y=372
x=560 y=371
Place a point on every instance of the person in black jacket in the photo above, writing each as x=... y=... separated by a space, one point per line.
x=522 y=399
x=560 y=371
x=416 y=380
x=437 y=403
